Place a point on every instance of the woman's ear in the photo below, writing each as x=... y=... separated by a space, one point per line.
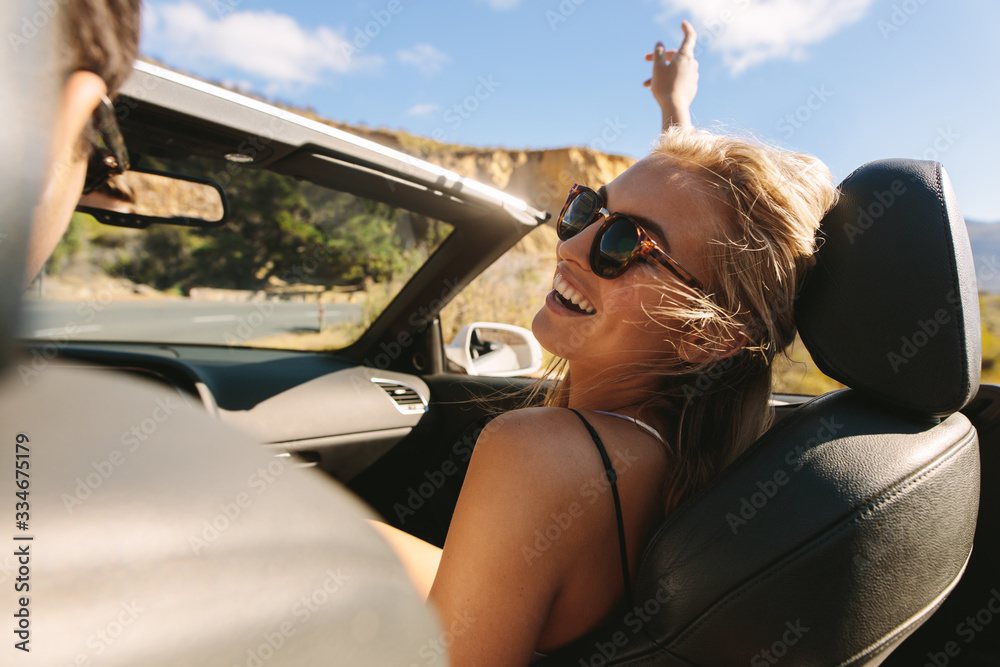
x=67 y=167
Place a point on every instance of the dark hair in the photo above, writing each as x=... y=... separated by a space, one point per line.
x=100 y=36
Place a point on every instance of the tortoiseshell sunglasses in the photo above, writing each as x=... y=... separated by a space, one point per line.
x=619 y=242
x=109 y=156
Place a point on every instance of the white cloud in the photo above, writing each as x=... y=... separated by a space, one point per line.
x=749 y=32
x=424 y=109
x=425 y=57
x=502 y=5
x=264 y=44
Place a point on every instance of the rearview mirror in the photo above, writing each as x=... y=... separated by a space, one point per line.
x=139 y=198
x=499 y=350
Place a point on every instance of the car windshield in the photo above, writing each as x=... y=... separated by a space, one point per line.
x=296 y=266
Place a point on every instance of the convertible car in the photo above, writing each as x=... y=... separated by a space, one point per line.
x=308 y=308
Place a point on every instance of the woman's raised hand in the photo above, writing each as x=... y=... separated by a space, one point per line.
x=675 y=78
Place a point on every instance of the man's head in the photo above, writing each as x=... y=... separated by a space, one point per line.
x=100 y=36
x=99 y=40
x=50 y=84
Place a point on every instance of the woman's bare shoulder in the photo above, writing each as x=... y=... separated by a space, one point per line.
x=557 y=436
x=547 y=442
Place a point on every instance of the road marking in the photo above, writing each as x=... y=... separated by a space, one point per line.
x=201 y=319
x=64 y=331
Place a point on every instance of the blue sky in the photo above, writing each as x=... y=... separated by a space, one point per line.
x=847 y=80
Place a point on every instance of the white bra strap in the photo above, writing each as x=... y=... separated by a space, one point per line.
x=638 y=422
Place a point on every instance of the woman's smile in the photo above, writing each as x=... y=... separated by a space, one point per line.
x=569 y=297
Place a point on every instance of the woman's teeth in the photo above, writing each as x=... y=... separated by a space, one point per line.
x=569 y=294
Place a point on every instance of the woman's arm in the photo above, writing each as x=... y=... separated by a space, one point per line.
x=675 y=84
x=494 y=588
x=420 y=559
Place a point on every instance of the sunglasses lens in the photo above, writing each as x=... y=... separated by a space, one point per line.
x=617 y=244
x=578 y=215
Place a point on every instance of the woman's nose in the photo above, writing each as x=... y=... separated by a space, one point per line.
x=577 y=249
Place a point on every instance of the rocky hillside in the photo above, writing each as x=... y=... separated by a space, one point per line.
x=543 y=177
x=540 y=177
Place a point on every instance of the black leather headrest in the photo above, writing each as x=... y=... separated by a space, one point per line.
x=892 y=308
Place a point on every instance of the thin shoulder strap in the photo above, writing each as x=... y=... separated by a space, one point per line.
x=609 y=470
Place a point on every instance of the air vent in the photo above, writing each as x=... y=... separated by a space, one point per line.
x=407 y=399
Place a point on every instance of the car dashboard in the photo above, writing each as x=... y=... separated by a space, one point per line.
x=337 y=415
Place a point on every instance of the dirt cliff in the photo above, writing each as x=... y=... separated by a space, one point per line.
x=540 y=177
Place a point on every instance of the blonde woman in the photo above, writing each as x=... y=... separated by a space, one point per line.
x=672 y=293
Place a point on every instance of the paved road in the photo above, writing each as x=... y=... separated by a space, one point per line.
x=177 y=320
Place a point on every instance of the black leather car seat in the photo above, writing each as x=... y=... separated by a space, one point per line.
x=847 y=524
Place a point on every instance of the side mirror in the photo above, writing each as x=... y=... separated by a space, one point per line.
x=140 y=197
x=500 y=350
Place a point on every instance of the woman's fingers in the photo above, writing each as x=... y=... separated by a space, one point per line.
x=658 y=58
x=690 y=38
x=674 y=83
x=686 y=48
x=667 y=55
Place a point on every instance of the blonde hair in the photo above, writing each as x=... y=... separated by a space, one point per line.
x=767 y=205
